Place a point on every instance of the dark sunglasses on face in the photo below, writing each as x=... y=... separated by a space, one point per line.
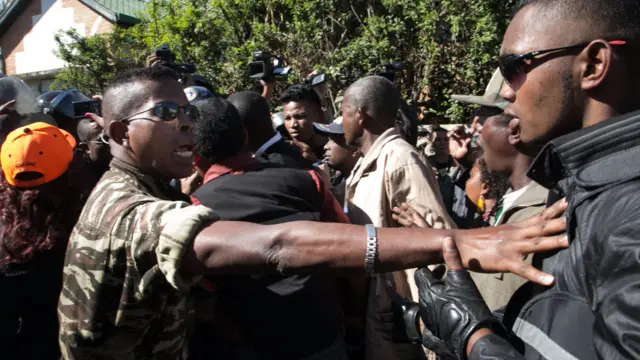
x=512 y=65
x=168 y=111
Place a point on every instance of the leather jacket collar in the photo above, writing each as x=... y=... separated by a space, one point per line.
x=577 y=154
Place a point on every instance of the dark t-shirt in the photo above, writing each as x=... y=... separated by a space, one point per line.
x=280 y=317
x=28 y=301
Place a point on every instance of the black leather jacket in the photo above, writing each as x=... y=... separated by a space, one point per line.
x=592 y=310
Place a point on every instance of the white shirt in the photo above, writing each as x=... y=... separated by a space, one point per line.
x=509 y=199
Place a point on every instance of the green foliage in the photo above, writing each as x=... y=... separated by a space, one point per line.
x=449 y=46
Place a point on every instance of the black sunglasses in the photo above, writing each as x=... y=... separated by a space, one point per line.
x=512 y=65
x=168 y=111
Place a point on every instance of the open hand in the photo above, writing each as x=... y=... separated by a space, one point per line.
x=504 y=248
x=408 y=217
x=459 y=142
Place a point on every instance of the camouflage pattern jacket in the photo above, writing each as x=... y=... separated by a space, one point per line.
x=123 y=296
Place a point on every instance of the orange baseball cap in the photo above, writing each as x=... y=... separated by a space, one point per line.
x=36 y=154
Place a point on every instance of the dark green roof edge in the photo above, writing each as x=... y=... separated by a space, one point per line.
x=112 y=16
x=15 y=9
x=125 y=19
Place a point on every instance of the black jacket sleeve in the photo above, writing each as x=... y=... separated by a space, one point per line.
x=494 y=347
x=616 y=286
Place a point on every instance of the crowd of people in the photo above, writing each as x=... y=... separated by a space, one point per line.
x=176 y=223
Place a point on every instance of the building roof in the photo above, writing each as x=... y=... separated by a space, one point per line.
x=121 y=12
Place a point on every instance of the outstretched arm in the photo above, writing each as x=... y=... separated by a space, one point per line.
x=235 y=247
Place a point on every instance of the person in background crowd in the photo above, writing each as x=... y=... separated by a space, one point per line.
x=572 y=85
x=93 y=146
x=322 y=89
x=60 y=105
x=263 y=140
x=499 y=139
x=340 y=157
x=139 y=245
x=42 y=191
x=281 y=305
x=484 y=190
x=390 y=172
x=302 y=108
x=407 y=124
x=18 y=106
x=452 y=175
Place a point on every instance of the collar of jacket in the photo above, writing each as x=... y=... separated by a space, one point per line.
x=372 y=156
x=582 y=153
x=155 y=187
x=234 y=165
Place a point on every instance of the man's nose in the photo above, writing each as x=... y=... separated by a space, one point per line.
x=185 y=122
x=508 y=93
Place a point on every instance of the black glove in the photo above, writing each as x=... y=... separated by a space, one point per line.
x=390 y=321
x=452 y=310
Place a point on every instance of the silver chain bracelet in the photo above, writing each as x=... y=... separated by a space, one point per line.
x=372 y=250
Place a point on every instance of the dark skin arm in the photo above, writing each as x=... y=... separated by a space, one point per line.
x=304 y=247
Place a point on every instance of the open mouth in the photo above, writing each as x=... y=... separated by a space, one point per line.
x=185 y=151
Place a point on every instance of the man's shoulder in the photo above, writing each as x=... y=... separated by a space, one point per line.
x=398 y=153
x=116 y=198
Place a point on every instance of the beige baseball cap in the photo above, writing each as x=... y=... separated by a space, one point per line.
x=491 y=97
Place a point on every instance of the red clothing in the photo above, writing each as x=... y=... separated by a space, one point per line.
x=331 y=209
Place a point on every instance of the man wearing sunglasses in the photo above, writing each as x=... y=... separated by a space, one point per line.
x=571 y=68
x=139 y=245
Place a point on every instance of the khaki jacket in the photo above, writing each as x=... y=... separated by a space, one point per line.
x=497 y=289
x=391 y=173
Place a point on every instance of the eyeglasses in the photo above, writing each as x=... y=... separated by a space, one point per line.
x=168 y=111
x=512 y=65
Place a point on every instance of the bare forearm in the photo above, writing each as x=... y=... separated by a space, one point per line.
x=337 y=247
x=232 y=247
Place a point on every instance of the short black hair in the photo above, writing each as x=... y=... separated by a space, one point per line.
x=602 y=18
x=253 y=109
x=219 y=131
x=407 y=123
x=376 y=96
x=299 y=93
x=122 y=94
x=498 y=184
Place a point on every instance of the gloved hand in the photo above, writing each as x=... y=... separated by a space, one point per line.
x=453 y=309
x=390 y=321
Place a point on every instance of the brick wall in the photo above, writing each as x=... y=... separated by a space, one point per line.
x=85 y=20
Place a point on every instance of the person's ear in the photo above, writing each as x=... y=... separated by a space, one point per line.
x=119 y=132
x=484 y=190
x=595 y=64
x=364 y=120
x=514 y=132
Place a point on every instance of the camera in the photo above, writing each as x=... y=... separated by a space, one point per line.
x=164 y=52
x=89 y=106
x=68 y=104
x=268 y=67
x=388 y=70
x=315 y=79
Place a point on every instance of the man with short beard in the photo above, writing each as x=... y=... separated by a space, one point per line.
x=572 y=87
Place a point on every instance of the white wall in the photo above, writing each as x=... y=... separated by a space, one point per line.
x=39 y=43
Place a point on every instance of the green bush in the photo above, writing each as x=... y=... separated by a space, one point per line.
x=449 y=46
